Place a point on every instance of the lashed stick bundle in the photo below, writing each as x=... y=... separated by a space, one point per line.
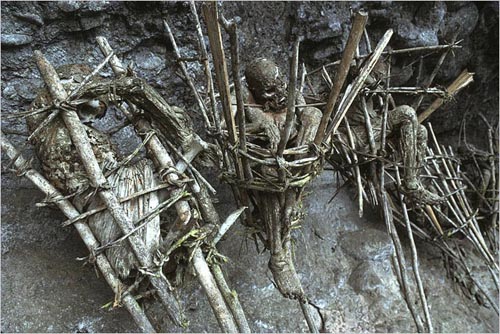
x=438 y=224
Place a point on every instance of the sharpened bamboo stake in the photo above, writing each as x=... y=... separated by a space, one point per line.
x=345 y=64
x=99 y=182
x=206 y=67
x=359 y=82
x=85 y=233
x=211 y=15
x=464 y=79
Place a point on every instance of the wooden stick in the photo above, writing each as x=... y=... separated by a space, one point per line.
x=230 y=220
x=186 y=75
x=85 y=233
x=302 y=80
x=89 y=77
x=476 y=235
x=232 y=300
x=306 y=310
x=144 y=220
x=394 y=52
x=359 y=82
x=388 y=216
x=464 y=79
x=290 y=105
x=357 y=172
x=206 y=66
x=98 y=181
x=429 y=81
x=103 y=207
x=223 y=315
x=232 y=30
x=214 y=36
x=407 y=90
x=358 y=26
x=414 y=256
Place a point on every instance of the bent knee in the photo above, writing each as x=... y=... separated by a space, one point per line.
x=311 y=114
x=402 y=114
x=406 y=112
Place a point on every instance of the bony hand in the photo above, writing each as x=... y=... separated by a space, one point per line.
x=273 y=133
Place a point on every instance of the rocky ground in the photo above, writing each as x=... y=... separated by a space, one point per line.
x=344 y=261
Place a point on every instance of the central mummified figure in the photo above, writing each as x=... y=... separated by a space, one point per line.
x=277 y=210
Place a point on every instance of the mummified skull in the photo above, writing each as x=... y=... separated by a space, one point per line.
x=266 y=83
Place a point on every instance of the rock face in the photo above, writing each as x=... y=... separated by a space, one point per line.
x=344 y=261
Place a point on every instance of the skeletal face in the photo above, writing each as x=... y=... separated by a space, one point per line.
x=266 y=84
x=71 y=76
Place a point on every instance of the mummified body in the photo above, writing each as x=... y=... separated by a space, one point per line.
x=277 y=211
x=267 y=88
x=403 y=123
x=63 y=168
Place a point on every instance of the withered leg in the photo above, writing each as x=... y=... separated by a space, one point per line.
x=278 y=225
x=404 y=117
x=413 y=143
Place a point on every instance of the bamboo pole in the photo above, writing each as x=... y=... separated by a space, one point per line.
x=290 y=105
x=206 y=67
x=222 y=313
x=464 y=79
x=85 y=233
x=232 y=300
x=347 y=57
x=359 y=82
x=211 y=15
x=232 y=30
